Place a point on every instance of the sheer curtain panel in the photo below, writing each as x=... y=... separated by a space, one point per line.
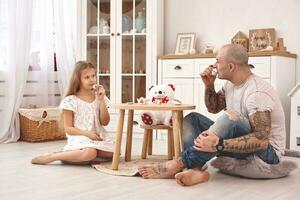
x=16 y=62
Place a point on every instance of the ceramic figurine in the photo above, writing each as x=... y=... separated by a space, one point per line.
x=140 y=22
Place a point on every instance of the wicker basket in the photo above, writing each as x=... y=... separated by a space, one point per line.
x=40 y=124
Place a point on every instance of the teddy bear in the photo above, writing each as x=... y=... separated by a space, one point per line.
x=158 y=94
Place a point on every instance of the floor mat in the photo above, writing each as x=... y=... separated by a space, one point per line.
x=129 y=168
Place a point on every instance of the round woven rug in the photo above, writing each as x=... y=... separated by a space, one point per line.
x=129 y=168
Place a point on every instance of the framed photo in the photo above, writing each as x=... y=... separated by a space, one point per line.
x=262 y=39
x=185 y=43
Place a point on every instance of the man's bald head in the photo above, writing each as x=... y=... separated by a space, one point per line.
x=235 y=53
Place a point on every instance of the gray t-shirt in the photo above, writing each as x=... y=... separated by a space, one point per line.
x=258 y=95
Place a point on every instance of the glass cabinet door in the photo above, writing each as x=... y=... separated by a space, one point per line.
x=98 y=40
x=116 y=45
x=133 y=65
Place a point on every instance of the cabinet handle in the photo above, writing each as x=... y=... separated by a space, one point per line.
x=118 y=34
x=112 y=34
x=298 y=110
x=177 y=67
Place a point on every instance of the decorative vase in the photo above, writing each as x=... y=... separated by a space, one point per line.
x=126 y=24
x=140 y=22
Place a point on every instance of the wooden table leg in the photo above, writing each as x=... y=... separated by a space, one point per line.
x=150 y=142
x=176 y=132
x=170 y=144
x=129 y=136
x=116 y=157
x=180 y=119
x=147 y=132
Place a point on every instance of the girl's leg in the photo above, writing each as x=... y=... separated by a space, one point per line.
x=104 y=154
x=74 y=156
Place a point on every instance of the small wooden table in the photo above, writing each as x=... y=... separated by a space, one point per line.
x=177 y=117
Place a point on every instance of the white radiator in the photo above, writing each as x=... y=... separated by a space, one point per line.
x=32 y=85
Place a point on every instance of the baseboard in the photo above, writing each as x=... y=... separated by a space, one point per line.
x=292 y=153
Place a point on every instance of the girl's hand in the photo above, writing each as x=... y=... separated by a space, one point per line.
x=100 y=92
x=93 y=135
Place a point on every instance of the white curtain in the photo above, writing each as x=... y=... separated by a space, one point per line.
x=65 y=15
x=35 y=30
x=15 y=64
x=42 y=55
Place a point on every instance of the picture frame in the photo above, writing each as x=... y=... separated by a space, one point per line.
x=241 y=39
x=185 y=43
x=262 y=39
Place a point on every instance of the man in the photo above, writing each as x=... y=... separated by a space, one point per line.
x=253 y=121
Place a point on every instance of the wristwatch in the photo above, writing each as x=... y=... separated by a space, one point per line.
x=220 y=145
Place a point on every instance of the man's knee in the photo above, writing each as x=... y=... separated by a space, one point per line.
x=232 y=115
x=230 y=124
x=192 y=116
x=230 y=118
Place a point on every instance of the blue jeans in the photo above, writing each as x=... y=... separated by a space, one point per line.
x=225 y=127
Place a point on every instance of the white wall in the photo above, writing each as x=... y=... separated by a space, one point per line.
x=217 y=21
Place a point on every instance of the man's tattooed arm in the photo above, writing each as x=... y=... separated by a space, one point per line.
x=215 y=102
x=260 y=123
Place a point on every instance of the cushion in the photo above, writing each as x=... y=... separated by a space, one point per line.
x=253 y=167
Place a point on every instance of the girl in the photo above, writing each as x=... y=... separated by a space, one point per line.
x=84 y=113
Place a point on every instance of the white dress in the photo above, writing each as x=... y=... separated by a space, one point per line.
x=86 y=118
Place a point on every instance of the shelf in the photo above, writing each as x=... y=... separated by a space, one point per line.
x=123 y=34
x=212 y=55
x=100 y=35
x=134 y=34
x=137 y=74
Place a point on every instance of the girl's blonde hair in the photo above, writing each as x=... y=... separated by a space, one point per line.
x=74 y=83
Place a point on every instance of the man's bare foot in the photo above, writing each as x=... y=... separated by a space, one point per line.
x=191 y=177
x=43 y=159
x=162 y=170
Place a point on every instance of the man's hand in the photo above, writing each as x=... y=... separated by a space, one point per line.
x=206 y=142
x=208 y=77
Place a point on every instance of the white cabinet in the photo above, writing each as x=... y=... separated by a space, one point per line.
x=183 y=71
x=295 y=118
x=180 y=73
x=122 y=38
x=185 y=75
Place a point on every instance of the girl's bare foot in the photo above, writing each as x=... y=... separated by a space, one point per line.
x=191 y=177
x=163 y=170
x=43 y=159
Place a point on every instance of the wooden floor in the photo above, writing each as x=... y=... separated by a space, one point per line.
x=19 y=180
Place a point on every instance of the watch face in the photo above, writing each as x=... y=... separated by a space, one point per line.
x=219 y=147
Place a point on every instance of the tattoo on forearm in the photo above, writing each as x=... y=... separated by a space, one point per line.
x=259 y=135
x=259 y=138
x=214 y=102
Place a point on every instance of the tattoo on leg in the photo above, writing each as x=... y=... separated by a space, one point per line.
x=162 y=168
